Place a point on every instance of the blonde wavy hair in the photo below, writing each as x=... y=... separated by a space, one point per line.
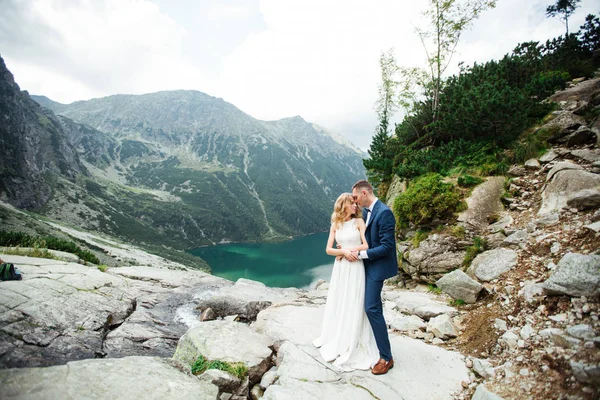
x=339 y=214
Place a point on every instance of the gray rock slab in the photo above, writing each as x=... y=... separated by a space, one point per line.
x=290 y=388
x=548 y=220
x=225 y=381
x=585 y=199
x=482 y=393
x=532 y=164
x=590 y=155
x=397 y=186
x=168 y=278
x=247 y=298
x=122 y=378
x=532 y=291
x=563 y=184
x=460 y=286
x=294 y=362
x=581 y=331
x=435 y=256
x=423 y=305
x=517 y=237
x=586 y=374
x=593 y=226
x=407 y=323
x=492 y=263
x=504 y=221
x=562 y=166
x=549 y=156
x=64 y=311
x=575 y=275
x=560 y=338
x=442 y=327
x=416 y=366
x=483 y=202
x=298 y=324
x=227 y=341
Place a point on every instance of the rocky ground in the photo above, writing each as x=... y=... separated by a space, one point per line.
x=521 y=322
x=533 y=331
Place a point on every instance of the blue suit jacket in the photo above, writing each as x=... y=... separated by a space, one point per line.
x=381 y=237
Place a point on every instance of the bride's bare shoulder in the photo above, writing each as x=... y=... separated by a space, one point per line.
x=359 y=222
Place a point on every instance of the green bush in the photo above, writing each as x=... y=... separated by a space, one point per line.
x=546 y=83
x=469 y=180
x=426 y=199
x=458 y=231
x=14 y=239
x=477 y=247
x=433 y=289
x=201 y=364
x=419 y=237
x=103 y=267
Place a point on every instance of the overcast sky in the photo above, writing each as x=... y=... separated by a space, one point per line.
x=270 y=58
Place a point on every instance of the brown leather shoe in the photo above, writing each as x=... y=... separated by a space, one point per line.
x=382 y=366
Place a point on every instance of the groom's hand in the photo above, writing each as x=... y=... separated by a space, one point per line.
x=352 y=256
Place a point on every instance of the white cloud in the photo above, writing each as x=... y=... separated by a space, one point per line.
x=318 y=59
x=271 y=58
x=102 y=48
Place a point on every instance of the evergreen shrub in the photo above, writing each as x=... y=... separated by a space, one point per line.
x=426 y=199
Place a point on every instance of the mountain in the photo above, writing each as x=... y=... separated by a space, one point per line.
x=35 y=151
x=175 y=168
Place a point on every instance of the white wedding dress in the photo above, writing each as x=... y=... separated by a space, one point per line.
x=346 y=336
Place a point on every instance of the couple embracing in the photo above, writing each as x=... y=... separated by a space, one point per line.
x=354 y=333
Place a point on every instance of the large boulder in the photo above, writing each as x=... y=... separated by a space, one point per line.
x=585 y=199
x=491 y=264
x=562 y=166
x=115 y=378
x=397 y=186
x=582 y=92
x=563 y=124
x=227 y=341
x=583 y=135
x=246 y=298
x=423 y=305
x=590 y=155
x=562 y=184
x=460 y=286
x=442 y=327
x=575 y=275
x=435 y=256
x=483 y=203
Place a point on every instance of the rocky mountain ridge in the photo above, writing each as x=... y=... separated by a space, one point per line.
x=200 y=150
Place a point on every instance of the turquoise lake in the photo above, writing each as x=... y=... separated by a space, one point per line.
x=299 y=262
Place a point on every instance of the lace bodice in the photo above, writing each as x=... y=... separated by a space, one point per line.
x=347 y=235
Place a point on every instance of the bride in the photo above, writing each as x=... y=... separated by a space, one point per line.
x=346 y=335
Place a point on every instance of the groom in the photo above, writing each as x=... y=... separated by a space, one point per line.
x=380 y=263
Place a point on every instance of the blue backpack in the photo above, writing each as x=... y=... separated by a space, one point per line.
x=8 y=272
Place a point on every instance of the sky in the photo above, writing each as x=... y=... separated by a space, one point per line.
x=270 y=58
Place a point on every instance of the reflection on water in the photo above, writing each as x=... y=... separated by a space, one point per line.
x=296 y=263
x=320 y=272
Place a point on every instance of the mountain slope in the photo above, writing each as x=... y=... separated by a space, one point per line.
x=35 y=153
x=232 y=177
